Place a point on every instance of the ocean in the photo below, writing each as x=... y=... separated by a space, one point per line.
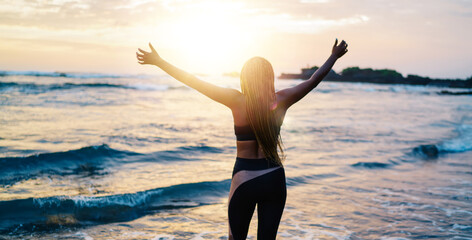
x=103 y=156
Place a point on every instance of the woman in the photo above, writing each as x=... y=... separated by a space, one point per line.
x=258 y=113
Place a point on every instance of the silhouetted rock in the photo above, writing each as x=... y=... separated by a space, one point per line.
x=445 y=92
x=429 y=151
x=306 y=74
x=382 y=76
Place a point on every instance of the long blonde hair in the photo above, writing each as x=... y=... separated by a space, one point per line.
x=257 y=84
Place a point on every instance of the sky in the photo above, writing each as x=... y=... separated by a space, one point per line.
x=424 y=37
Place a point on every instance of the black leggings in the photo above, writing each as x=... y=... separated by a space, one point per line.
x=256 y=181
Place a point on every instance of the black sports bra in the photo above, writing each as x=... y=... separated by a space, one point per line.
x=244 y=133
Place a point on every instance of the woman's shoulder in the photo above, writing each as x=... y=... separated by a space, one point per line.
x=239 y=108
x=281 y=99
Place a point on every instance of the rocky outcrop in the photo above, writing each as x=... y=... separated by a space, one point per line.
x=381 y=76
x=306 y=74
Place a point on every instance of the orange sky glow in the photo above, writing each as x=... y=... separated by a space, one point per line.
x=422 y=37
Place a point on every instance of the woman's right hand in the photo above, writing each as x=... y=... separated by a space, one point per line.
x=148 y=57
x=339 y=50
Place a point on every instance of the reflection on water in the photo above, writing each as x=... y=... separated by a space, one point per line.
x=145 y=158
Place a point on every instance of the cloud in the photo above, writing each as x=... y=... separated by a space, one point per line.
x=94 y=14
x=309 y=25
x=314 y=1
x=80 y=15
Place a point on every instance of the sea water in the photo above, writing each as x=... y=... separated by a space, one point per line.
x=96 y=156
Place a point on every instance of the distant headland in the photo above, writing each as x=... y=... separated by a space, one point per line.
x=381 y=76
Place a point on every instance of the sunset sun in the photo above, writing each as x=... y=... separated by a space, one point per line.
x=210 y=39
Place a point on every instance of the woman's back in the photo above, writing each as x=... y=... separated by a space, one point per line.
x=250 y=148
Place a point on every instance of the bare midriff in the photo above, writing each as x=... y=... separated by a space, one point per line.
x=249 y=149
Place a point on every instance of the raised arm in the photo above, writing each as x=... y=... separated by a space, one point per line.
x=294 y=94
x=225 y=96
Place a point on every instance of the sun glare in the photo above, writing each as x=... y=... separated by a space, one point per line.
x=208 y=37
x=211 y=37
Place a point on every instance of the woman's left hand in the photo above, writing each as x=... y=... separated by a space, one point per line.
x=148 y=57
x=339 y=50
